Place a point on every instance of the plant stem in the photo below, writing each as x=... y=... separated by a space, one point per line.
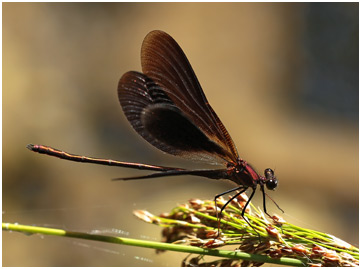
x=156 y=245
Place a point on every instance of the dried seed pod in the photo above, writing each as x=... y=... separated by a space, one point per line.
x=191 y=218
x=262 y=247
x=214 y=243
x=240 y=203
x=318 y=251
x=178 y=215
x=315 y=264
x=286 y=250
x=242 y=197
x=275 y=253
x=211 y=234
x=272 y=231
x=299 y=249
x=221 y=200
x=145 y=216
x=165 y=215
x=196 y=203
x=348 y=257
x=331 y=255
x=247 y=247
x=278 y=220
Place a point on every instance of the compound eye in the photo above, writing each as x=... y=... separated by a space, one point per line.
x=272 y=183
x=269 y=174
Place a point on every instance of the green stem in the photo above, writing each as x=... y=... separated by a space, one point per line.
x=156 y=245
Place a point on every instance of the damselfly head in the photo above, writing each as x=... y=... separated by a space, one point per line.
x=271 y=180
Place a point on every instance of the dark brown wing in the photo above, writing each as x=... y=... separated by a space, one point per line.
x=167 y=106
x=164 y=62
x=158 y=120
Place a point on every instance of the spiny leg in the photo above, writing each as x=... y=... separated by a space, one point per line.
x=264 y=202
x=215 y=203
x=244 y=210
x=275 y=203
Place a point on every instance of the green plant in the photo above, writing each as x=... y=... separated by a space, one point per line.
x=193 y=228
x=196 y=224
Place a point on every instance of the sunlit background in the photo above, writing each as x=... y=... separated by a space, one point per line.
x=282 y=77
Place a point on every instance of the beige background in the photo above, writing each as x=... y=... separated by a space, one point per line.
x=61 y=66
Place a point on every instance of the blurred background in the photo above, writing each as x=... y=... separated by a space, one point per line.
x=283 y=78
